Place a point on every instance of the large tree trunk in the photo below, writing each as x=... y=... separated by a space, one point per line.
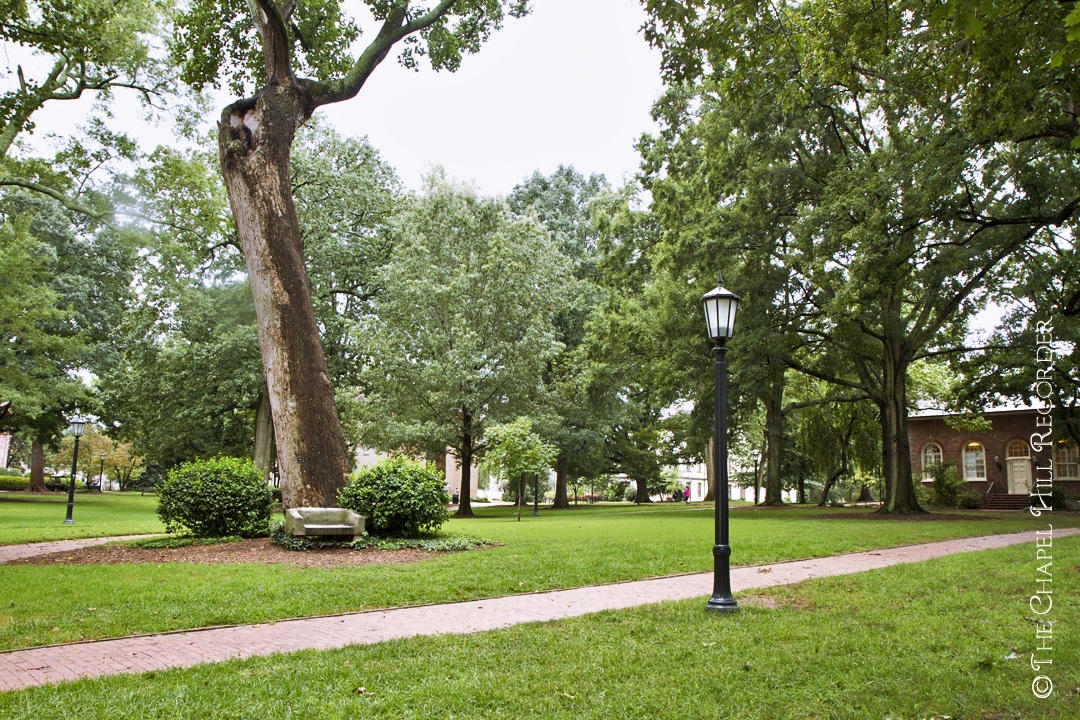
x=562 y=471
x=642 y=495
x=710 y=473
x=255 y=139
x=464 y=499
x=774 y=431
x=264 y=436
x=37 y=467
x=896 y=447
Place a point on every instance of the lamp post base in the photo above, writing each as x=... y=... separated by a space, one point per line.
x=69 y=522
x=721 y=600
x=724 y=605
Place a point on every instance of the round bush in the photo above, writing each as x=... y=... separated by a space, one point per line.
x=398 y=497
x=215 y=498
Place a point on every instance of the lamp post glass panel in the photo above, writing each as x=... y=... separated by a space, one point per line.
x=77 y=425
x=720 y=308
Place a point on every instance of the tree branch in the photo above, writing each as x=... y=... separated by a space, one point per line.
x=394 y=28
x=105 y=216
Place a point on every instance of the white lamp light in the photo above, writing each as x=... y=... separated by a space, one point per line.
x=720 y=308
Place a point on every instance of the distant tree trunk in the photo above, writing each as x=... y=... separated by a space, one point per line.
x=774 y=430
x=802 y=489
x=37 y=467
x=255 y=139
x=562 y=468
x=864 y=494
x=642 y=495
x=464 y=501
x=521 y=495
x=264 y=436
x=710 y=473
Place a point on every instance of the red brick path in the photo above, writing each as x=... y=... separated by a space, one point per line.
x=36 y=666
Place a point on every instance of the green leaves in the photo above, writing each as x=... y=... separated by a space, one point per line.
x=515 y=450
x=215 y=498
x=463 y=323
x=398 y=497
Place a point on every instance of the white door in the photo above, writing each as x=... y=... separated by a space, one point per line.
x=1019 y=476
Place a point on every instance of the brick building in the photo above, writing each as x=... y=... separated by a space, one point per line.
x=1003 y=457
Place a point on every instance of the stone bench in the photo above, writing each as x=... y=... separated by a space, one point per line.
x=338 y=522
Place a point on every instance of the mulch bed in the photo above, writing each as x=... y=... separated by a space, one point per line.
x=258 y=550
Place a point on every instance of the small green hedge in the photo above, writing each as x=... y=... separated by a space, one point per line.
x=398 y=497
x=14 y=483
x=216 y=498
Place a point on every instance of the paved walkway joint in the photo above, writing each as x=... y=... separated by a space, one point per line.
x=36 y=666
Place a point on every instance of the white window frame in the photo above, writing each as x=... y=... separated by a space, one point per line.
x=974 y=462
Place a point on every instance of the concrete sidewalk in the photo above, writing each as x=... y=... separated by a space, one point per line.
x=36 y=666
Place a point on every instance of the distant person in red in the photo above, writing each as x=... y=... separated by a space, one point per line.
x=686 y=494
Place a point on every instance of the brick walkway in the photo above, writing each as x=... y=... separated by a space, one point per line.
x=36 y=666
x=15 y=552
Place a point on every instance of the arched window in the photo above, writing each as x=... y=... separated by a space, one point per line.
x=931 y=454
x=1066 y=462
x=974 y=462
x=1017 y=449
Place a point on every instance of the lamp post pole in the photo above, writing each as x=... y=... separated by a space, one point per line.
x=720 y=307
x=757 y=483
x=76 y=430
x=101 y=477
x=536 y=496
x=721 y=600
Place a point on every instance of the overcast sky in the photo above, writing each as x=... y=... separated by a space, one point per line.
x=572 y=83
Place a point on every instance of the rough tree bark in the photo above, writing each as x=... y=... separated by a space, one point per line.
x=264 y=436
x=562 y=472
x=774 y=445
x=37 y=467
x=642 y=495
x=710 y=473
x=464 y=499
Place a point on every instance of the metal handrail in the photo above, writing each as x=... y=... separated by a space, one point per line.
x=989 y=494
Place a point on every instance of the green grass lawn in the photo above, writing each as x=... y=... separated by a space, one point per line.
x=30 y=517
x=557 y=550
x=947 y=638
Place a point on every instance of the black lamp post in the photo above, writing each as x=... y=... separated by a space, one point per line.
x=720 y=307
x=757 y=483
x=101 y=477
x=77 y=425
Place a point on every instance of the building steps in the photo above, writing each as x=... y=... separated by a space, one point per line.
x=1002 y=501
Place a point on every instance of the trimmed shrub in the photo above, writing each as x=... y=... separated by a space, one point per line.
x=1058 y=501
x=398 y=497
x=14 y=483
x=10 y=472
x=215 y=498
x=946 y=485
x=969 y=500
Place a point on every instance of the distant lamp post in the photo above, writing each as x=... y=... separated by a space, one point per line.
x=720 y=307
x=101 y=477
x=77 y=425
x=757 y=483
